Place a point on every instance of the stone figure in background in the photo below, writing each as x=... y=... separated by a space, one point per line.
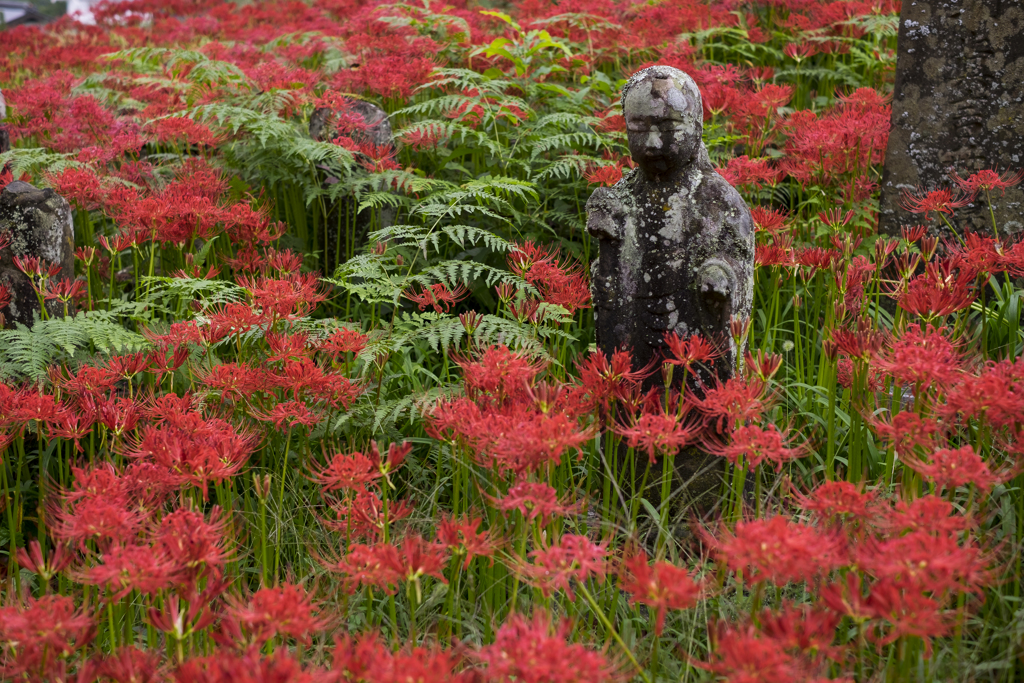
x=676 y=247
x=958 y=104
x=38 y=224
x=372 y=127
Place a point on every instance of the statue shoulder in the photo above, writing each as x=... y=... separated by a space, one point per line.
x=734 y=211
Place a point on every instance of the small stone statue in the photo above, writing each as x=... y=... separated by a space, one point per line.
x=38 y=224
x=676 y=250
x=676 y=239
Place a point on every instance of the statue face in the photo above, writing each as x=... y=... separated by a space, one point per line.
x=664 y=120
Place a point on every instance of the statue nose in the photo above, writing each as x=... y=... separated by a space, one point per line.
x=654 y=139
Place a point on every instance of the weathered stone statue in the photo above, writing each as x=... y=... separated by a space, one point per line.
x=676 y=249
x=958 y=103
x=676 y=239
x=39 y=225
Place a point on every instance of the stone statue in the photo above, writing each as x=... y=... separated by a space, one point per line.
x=676 y=239
x=676 y=253
x=38 y=224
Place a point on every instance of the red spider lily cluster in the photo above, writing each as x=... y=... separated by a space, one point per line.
x=415 y=469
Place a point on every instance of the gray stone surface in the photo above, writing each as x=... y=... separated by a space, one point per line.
x=39 y=223
x=676 y=243
x=958 y=103
x=378 y=125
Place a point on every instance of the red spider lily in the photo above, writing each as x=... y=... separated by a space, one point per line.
x=742 y=170
x=193 y=543
x=127 y=366
x=936 y=201
x=236 y=382
x=424 y=137
x=498 y=374
x=936 y=293
x=283 y=610
x=660 y=434
x=537 y=652
x=922 y=356
x=604 y=378
x=234 y=319
x=559 y=283
x=988 y=180
x=950 y=468
x=799 y=51
x=908 y=431
x=689 y=351
x=134 y=568
x=351 y=471
x=777 y=550
x=462 y=537
x=861 y=344
x=848 y=598
x=778 y=254
x=131 y=665
x=292 y=297
x=575 y=557
x=361 y=515
x=534 y=440
x=247 y=667
x=604 y=175
x=420 y=558
x=994 y=396
x=740 y=654
x=535 y=501
x=31 y=405
x=762 y=365
x=927 y=513
x=81 y=186
x=438 y=297
x=119 y=415
x=802 y=630
x=925 y=560
x=814 y=259
x=908 y=612
x=344 y=341
x=32 y=560
x=64 y=290
x=195 y=449
x=397 y=453
x=526 y=311
x=835 y=218
x=840 y=501
x=734 y=402
x=41 y=637
x=661 y=586
x=179 y=624
x=471 y=321
x=755 y=445
x=94 y=516
x=768 y=220
x=288 y=414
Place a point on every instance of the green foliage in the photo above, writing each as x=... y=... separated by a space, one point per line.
x=27 y=353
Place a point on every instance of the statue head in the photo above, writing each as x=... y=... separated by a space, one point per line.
x=664 y=119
